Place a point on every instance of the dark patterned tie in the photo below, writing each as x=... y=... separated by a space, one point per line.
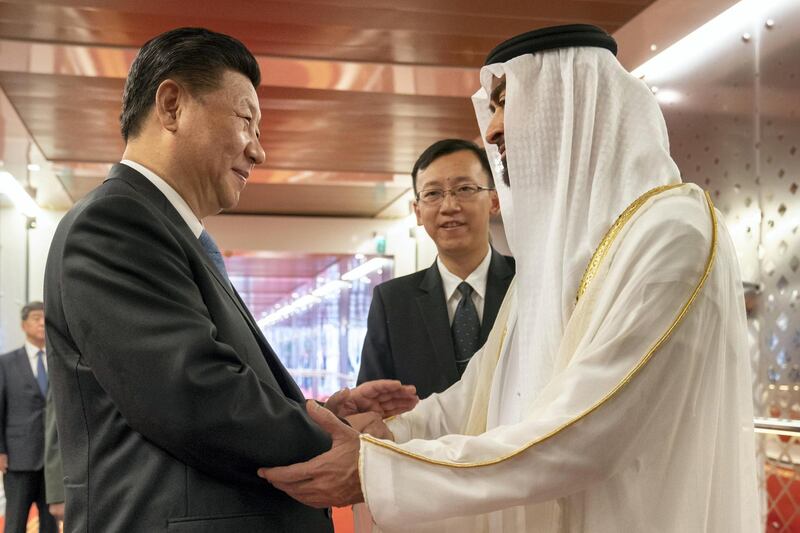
x=213 y=252
x=41 y=373
x=466 y=327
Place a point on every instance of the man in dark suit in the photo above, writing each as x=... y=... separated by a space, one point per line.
x=421 y=328
x=168 y=397
x=23 y=388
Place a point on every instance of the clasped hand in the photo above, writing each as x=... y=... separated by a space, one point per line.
x=331 y=478
x=387 y=397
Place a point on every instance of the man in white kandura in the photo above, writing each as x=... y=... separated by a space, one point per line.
x=613 y=394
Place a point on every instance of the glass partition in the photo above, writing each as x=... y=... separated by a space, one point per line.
x=313 y=311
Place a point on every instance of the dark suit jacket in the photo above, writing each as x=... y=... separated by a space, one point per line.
x=168 y=396
x=21 y=413
x=53 y=471
x=408 y=329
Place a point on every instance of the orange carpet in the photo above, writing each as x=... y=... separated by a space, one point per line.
x=343 y=519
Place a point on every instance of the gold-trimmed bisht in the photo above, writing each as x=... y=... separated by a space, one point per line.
x=599 y=254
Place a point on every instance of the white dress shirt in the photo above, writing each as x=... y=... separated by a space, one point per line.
x=172 y=195
x=32 y=350
x=477 y=280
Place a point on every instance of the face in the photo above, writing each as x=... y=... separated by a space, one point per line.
x=33 y=326
x=458 y=227
x=495 y=133
x=218 y=142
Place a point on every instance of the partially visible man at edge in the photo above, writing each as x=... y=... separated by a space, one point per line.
x=422 y=330
x=167 y=394
x=23 y=389
x=614 y=392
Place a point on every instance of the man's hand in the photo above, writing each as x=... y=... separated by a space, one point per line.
x=3 y=463
x=329 y=479
x=370 y=423
x=57 y=510
x=387 y=397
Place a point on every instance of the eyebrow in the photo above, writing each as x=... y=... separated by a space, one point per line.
x=456 y=179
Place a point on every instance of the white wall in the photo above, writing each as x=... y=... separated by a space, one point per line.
x=13 y=267
x=12 y=277
x=325 y=235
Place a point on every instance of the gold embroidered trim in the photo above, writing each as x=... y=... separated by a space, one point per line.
x=709 y=264
x=480 y=400
x=611 y=235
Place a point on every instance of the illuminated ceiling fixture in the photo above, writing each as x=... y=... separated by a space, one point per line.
x=330 y=288
x=299 y=303
x=707 y=39
x=287 y=310
x=668 y=96
x=374 y=264
x=303 y=302
x=18 y=195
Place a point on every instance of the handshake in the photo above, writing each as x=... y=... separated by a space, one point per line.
x=332 y=479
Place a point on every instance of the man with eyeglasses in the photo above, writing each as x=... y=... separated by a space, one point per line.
x=424 y=328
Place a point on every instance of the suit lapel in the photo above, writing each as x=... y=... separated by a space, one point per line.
x=287 y=383
x=25 y=370
x=290 y=388
x=433 y=308
x=151 y=192
x=497 y=281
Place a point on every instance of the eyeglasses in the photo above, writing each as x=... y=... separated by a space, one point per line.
x=462 y=193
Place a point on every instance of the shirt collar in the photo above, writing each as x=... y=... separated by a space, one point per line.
x=32 y=350
x=172 y=195
x=476 y=279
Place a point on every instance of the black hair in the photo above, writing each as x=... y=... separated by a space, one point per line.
x=31 y=306
x=196 y=57
x=447 y=147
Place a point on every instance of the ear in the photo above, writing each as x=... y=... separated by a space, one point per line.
x=495 y=208
x=170 y=97
x=416 y=212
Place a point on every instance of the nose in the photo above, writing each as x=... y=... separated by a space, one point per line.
x=495 y=131
x=254 y=152
x=449 y=203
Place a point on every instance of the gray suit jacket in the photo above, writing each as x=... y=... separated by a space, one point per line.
x=21 y=413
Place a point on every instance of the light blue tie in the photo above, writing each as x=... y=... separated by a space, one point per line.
x=213 y=252
x=41 y=372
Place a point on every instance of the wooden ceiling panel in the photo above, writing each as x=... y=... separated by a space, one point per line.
x=353 y=91
x=75 y=118
x=450 y=32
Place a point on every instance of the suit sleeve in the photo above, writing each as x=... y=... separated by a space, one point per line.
x=140 y=322
x=53 y=471
x=376 y=356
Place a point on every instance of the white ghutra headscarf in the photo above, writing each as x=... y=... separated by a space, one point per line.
x=583 y=139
